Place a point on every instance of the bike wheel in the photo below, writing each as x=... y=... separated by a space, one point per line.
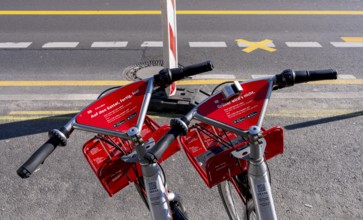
x=236 y=198
x=177 y=209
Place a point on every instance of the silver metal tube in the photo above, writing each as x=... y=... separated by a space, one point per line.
x=156 y=192
x=259 y=179
x=263 y=111
x=100 y=131
x=261 y=190
x=220 y=125
x=145 y=103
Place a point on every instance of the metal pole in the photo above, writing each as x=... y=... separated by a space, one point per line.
x=169 y=31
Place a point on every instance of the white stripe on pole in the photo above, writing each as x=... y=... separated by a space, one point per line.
x=169 y=29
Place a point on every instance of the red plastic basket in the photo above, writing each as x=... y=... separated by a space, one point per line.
x=104 y=157
x=209 y=150
x=119 y=111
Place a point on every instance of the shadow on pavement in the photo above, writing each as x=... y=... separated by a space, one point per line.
x=35 y=126
x=323 y=120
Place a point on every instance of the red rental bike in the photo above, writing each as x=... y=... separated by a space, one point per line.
x=124 y=149
x=227 y=145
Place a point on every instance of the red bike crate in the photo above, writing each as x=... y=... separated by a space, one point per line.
x=209 y=150
x=119 y=111
x=105 y=158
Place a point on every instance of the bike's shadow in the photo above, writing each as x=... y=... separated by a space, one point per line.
x=36 y=126
x=33 y=126
x=323 y=120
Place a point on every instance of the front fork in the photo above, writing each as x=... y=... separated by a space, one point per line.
x=157 y=194
x=258 y=177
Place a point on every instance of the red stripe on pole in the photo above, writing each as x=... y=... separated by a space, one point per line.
x=173 y=3
x=172 y=88
x=172 y=41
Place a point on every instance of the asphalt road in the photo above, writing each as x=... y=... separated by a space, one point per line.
x=319 y=176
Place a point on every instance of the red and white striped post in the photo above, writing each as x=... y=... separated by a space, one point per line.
x=170 y=53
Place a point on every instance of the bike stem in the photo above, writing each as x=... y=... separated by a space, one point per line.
x=156 y=191
x=258 y=177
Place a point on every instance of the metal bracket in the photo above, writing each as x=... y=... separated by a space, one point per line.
x=231 y=90
x=243 y=152
x=132 y=157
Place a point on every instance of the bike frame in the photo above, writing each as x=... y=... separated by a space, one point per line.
x=258 y=175
x=157 y=193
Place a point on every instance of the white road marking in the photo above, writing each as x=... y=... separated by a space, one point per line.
x=15 y=45
x=240 y=44
x=208 y=44
x=60 y=45
x=194 y=44
x=340 y=76
x=109 y=44
x=346 y=77
x=347 y=44
x=152 y=44
x=303 y=44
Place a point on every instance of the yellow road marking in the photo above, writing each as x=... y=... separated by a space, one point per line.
x=311 y=113
x=83 y=12
x=42 y=112
x=256 y=45
x=352 y=39
x=202 y=82
x=338 y=82
x=27 y=118
x=179 y=12
x=180 y=83
x=65 y=83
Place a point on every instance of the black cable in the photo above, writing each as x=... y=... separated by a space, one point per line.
x=213 y=136
x=110 y=143
x=162 y=171
x=105 y=91
x=215 y=88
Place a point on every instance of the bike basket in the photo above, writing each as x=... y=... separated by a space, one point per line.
x=119 y=111
x=104 y=153
x=209 y=150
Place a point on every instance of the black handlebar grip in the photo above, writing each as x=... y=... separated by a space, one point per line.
x=315 y=75
x=37 y=158
x=182 y=72
x=178 y=127
x=159 y=148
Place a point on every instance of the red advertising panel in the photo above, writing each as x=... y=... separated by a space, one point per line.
x=242 y=111
x=118 y=110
